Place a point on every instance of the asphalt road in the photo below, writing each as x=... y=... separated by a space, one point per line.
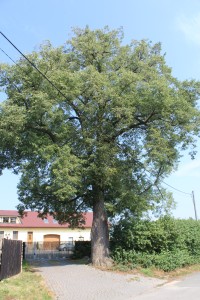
x=186 y=288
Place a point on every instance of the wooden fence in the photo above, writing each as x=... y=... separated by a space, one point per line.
x=11 y=258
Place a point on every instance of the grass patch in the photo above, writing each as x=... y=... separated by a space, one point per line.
x=121 y=268
x=184 y=271
x=149 y=272
x=157 y=273
x=27 y=285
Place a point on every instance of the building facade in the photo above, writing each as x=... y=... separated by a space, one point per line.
x=31 y=229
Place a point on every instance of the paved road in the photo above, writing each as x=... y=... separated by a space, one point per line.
x=73 y=282
x=183 y=289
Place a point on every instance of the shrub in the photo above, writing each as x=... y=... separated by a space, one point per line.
x=166 y=243
x=82 y=249
x=171 y=260
x=145 y=235
x=166 y=260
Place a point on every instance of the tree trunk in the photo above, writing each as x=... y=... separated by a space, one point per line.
x=100 y=235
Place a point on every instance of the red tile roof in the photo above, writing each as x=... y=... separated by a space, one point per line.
x=31 y=220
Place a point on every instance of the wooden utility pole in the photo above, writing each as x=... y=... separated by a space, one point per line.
x=195 y=211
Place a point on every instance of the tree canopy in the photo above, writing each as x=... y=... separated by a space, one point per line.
x=102 y=133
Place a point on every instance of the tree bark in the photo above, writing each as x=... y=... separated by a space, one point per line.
x=100 y=234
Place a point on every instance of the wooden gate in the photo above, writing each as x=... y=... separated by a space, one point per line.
x=51 y=241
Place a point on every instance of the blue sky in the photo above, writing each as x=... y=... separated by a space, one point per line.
x=174 y=23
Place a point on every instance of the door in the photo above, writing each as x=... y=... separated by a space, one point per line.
x=30 y=237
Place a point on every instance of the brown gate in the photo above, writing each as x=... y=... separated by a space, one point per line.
x=51 y=241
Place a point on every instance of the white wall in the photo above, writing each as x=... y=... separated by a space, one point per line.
x=38 y=233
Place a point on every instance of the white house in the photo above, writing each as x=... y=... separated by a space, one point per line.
x=31 y=229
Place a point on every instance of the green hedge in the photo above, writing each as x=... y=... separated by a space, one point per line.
x=166 y=243
x=166 y=260
x=82 y=249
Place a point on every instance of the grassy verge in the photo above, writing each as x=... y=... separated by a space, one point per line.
x=27 y=285
x=149 y=272
x=153 y=272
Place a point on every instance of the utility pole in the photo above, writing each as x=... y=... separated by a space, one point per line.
x=195 y=211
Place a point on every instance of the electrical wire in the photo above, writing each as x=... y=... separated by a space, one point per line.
x=8 y=56
x=176 y=189
x=33 y=65
x=163 y=181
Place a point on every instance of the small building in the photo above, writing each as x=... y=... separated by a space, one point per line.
x=32 y=229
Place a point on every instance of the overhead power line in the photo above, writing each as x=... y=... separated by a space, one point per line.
x=166 y=183
x=146 y=170
x=33 y=65
x=176 y=189
x=8 y=56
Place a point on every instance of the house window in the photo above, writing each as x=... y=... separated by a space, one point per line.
x=5 y=219
x=1 y=235
x=15 y=235
x=13 y=220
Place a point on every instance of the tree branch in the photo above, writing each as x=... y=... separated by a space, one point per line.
x=153 y=183
x=139 y=123
x=144 y=122
x=43 y=130
x=73 y=118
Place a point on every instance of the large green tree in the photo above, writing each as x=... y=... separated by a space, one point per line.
x=101 y=135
